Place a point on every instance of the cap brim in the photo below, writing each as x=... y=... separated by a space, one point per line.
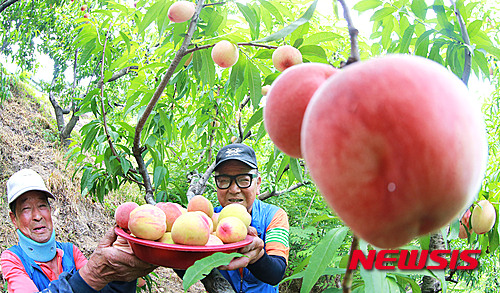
x=24 y=190
x=250 y=164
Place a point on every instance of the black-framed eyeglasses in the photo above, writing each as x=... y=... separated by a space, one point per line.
x=242 y=180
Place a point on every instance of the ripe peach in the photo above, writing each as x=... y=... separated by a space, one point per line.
x=233 y=139
x=483 y=217
x=286 y=56
x=236 y=210
x=287 y=101
x=181 y=11
x=464 y=225
x=166 y=238
x=214 y=240
x=83 y=8
x=200 y=203
x=231 y=229
x=86 y=15
x=147 y=222
x=122 y=214
x=172 y=212
x=207 y=219
x=396 y=146
x=190 y=229
x=225 y=54
x=215 y=219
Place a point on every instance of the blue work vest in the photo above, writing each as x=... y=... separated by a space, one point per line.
x=262 y=215
x=35 y=272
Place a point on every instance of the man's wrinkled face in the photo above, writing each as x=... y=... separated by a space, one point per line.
x=235 y=194
x=33 y=217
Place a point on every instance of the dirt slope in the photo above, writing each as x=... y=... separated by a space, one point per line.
x=27 y=141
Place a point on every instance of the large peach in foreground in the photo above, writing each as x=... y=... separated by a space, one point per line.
x=286 y=56
x=397 y=147
x=147 y=222
x=287 y=101
x=483 y=217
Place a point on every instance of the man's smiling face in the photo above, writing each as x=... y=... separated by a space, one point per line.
x=235 y=194
x=33 y=216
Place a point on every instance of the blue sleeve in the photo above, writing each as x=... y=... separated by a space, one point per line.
x=269 y=269
x=73 y=283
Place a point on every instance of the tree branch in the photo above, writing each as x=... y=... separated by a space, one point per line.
x=347 y=282
x=268 y=194
x=6 y=4
x=137 y=149
x=353 y=33
x=465 y=36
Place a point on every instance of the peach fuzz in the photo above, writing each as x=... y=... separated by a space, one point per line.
x=214 y=240
x=147 y=222
x=286 y=56
x=287 y=101
x=396 y=146
x=172 y=212
x=190 y=229
x=122 y=214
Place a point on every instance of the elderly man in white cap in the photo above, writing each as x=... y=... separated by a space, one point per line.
x=39 y=263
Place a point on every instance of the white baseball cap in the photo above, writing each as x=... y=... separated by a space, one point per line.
x=23 y=181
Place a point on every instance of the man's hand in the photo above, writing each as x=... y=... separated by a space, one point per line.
x=113 y=260
x=253 y=252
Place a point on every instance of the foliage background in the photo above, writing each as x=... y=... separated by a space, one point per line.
x=203 y=106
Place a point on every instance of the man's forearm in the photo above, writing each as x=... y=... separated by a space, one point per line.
x=269 y=269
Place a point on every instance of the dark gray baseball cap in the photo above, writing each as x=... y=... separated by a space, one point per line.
x=236 y=151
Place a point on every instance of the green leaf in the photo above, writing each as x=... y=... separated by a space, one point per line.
x=441 y=17
x=126 y=40
x=407 y=36
x=382 y=13
x=251 y=18
x=213 y=23
x=422 y=44
x=237 y=76
x=252 y=76
x=481 y=61
x=322 y=256
x=201 y=268
x=151 y=14
x=256 y=118
x=291 y=27
x=263 y=54
x=296 y=169
x=316 y=52
x=320 y=37
x=272 y=9
x=474 y=27
x=375 y=280
x=366 y=5
x=419 y=8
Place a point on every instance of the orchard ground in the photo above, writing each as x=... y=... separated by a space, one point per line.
x=28 y=139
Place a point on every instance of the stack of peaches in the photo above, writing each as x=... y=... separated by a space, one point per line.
x=171 y=223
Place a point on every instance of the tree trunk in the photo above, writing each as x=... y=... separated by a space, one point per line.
x=429 y=284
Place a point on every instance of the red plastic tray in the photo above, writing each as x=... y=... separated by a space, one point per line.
x=175 y=255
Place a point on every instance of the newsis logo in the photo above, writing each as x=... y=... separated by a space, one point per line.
x=415 y=259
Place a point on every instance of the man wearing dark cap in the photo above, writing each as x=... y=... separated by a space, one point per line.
x=238 y=181
x=40 y=263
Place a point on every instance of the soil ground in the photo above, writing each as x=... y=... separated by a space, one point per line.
x=28 y=140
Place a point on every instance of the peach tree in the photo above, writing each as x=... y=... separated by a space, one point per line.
x=158 y=100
